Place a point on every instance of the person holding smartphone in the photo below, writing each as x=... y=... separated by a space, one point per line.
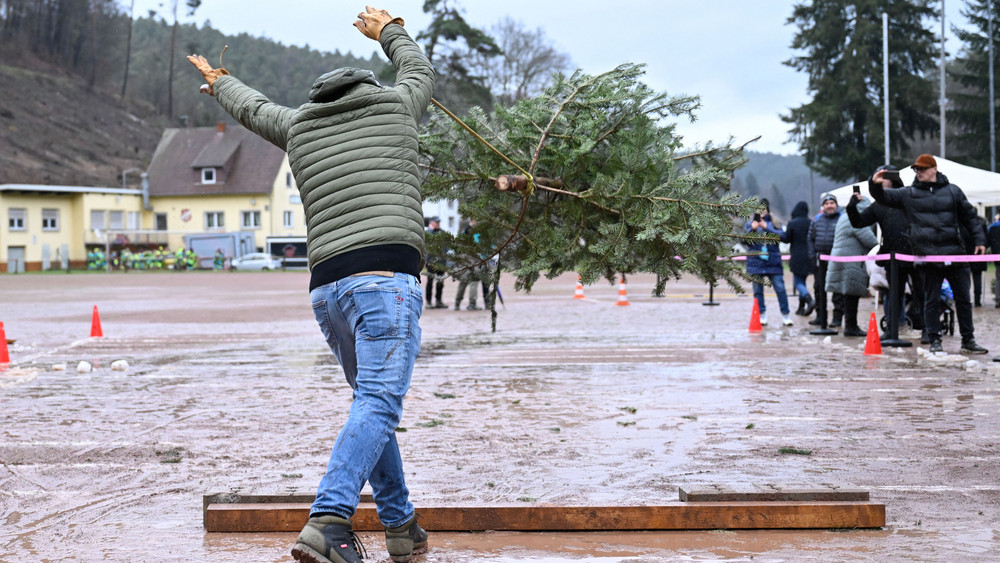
x=936 y=213
x=850 y=279
x=894 y=241
x=764 y=260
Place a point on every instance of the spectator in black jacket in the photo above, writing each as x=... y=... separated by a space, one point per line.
x=936 y=210
x=993 y=238
x=821 y=234
x=976 y=268
x=895 y=240
x=796 y=234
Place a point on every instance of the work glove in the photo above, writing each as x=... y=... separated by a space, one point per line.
x=210 y=74
x=371 y=21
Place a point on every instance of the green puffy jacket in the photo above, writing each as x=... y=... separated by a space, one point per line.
x=353 y=151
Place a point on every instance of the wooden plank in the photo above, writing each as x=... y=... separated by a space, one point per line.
x=291 y=517
x=287 y=499
x=719 y=494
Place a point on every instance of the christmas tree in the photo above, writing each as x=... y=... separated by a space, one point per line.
x=595 y=181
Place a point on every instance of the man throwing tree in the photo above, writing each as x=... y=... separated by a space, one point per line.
x=352 y=148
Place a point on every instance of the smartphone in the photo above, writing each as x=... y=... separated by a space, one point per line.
x=891 y=175
x=857 y=189
x=756 y=217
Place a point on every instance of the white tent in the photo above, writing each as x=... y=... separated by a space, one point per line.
x=982 y=187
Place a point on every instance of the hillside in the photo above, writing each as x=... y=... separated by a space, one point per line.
x=783 y=180
x=54 y=131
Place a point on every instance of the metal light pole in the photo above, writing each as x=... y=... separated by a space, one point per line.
x=992 y=101
x=942 y=101
x=885 y=80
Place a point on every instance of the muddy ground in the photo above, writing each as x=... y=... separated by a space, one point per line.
x=231 y=388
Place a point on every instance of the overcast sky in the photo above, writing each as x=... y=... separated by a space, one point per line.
x=728 y=52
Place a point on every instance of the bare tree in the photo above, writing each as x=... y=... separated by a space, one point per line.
x=525 y=66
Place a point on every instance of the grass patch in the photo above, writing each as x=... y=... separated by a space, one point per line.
x=444 y=395
x=750 y=426
x=527 y=499
x=630 y=410
x=690 y=417
x=400 y=429
x=623 y=423
x=795 y=451
x=291 y=475
x=431 y=423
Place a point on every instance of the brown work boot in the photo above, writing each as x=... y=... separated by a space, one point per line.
x=328 y=539
x=404 y=541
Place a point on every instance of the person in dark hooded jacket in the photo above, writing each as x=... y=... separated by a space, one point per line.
x=895 y=240
x=797 y=236
x=353 y=151
x=936 y=210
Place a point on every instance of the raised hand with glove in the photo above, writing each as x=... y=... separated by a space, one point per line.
x=210 y=74
x=372 y=20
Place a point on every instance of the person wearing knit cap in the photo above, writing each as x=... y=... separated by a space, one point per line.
x=937 y=211
x=821 y=235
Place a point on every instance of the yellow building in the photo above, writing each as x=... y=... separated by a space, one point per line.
x=201 y=180
x=50 y=227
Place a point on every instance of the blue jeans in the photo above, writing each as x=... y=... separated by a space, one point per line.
x=372 y=324
x=800 y=286
x=778 y=282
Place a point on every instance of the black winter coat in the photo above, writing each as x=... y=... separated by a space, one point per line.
x=934 y=211
x=797 y=236
x=895 y=236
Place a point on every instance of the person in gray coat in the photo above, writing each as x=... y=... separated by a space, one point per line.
x=352 y=148
x=850 y=279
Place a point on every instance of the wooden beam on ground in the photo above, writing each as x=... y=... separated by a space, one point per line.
x=770 y=494
x=291 y=517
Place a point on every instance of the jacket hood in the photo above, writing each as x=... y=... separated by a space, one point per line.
x=801 y=209
x=335 y=84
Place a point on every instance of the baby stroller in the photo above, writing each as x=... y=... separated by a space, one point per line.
x=947 y=312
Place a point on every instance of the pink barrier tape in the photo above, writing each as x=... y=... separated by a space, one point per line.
x=865 y=258
x=915 y=259
x=783 y=257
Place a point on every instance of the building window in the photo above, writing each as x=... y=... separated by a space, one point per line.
x=117 y=220
x=289 y=219
x=208 y=175
x=215 y=219
x=17 y=219
x=134 y=220
x=160 y=220
x=50 y=219
x=98 y=219
x=289 y=180
x=251 y=219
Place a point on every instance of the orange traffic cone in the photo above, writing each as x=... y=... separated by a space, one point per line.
x=755 y=318
x=873 y=345
x=4 y=354
x=579 y=288
x=95 y=324
x=622 y=295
